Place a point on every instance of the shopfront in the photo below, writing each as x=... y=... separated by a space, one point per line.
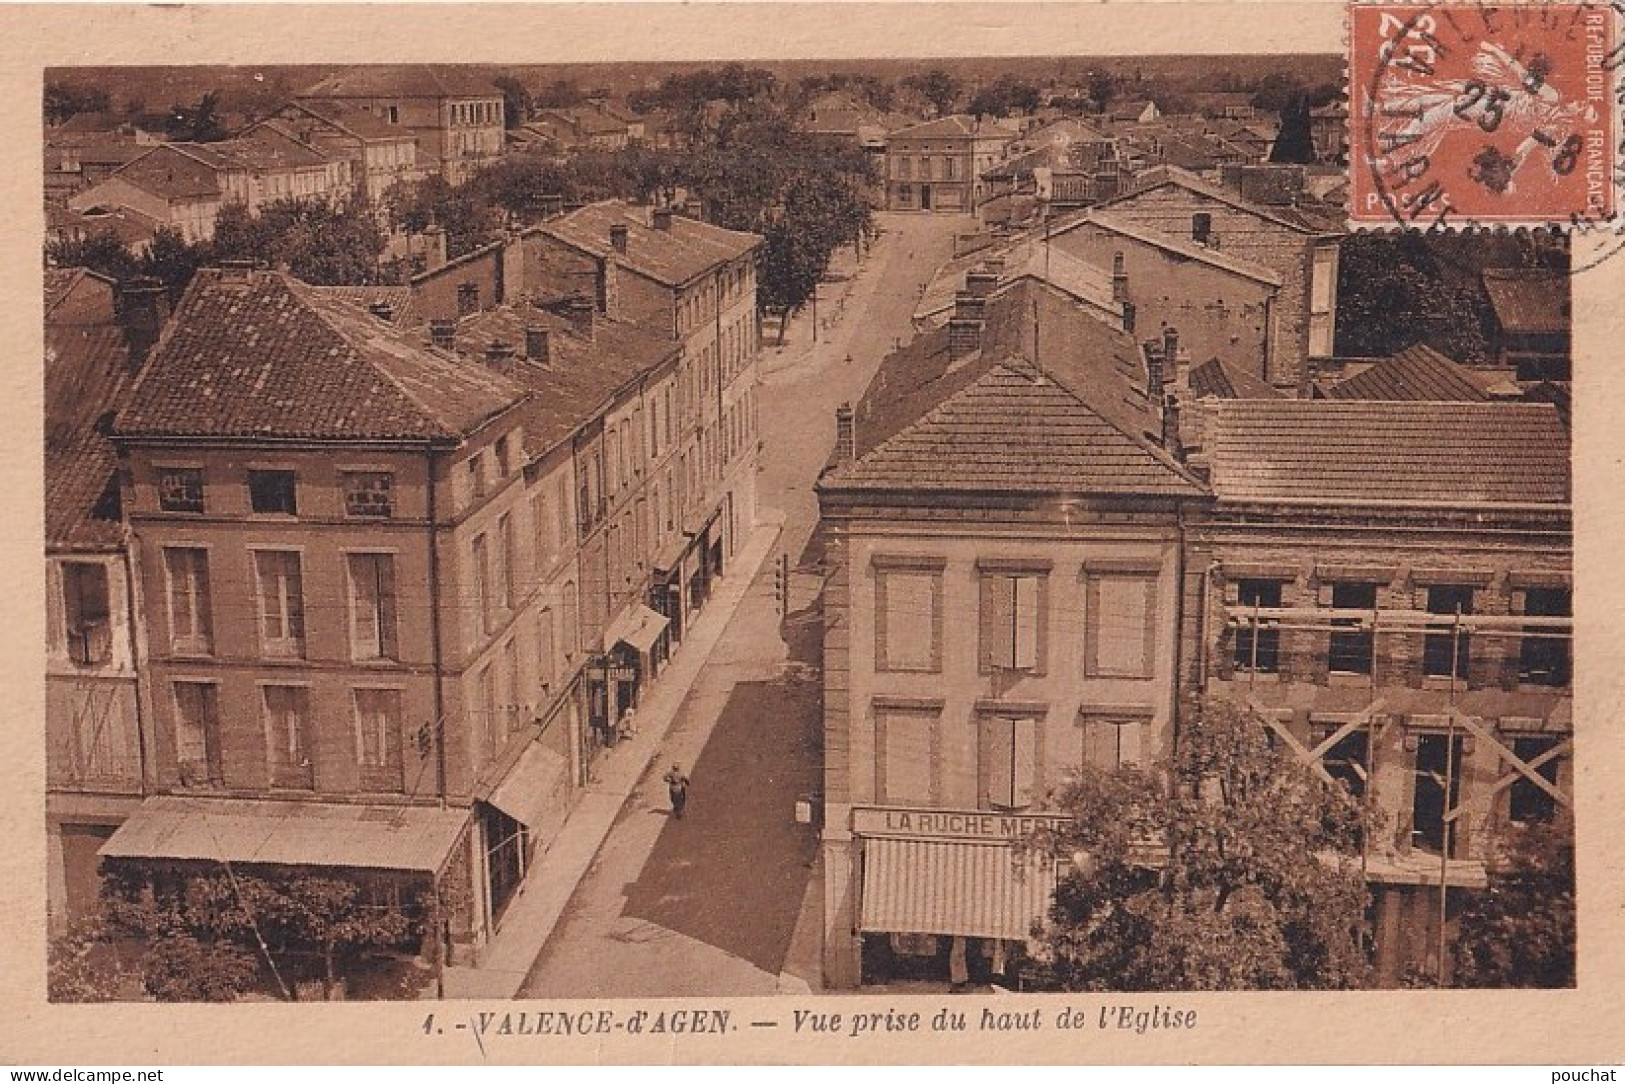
x=945 y=896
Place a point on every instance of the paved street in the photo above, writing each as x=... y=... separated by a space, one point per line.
x=722 y=902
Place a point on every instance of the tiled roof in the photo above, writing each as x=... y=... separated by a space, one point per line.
x=1026 y=256
x=1014 y=430
x=176 y=171
x=86 y=367
x=672 y=257
x=402 y=300
x=1416 y=373
x=1529 y=302
x=580 y=376
x=403 y=81
x=956 y=126
x=132 y=228
x=352 y=119
x=262 y=149
x=1218 y=379
x=1321 y=450
x=1166 y=174
x=1182 y=246
x=258 y=355
x=928 y=421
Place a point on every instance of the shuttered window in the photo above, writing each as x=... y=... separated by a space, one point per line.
x=1009 y=762
x=1012 y=621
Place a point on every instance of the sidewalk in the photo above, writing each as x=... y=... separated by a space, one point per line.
x=835 y=316
x=555 y=873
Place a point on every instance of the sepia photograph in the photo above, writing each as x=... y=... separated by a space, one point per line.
x=966 y=526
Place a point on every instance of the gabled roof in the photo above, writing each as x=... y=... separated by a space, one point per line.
x=1026 y=256
x=958 y=125
x=403 y=81
x=60 y=281
x=258 y=355
x=1218 y=379
x=349 y=119
x=86 y=370
x=672 y=257
x=402 y=300
x=1114 y=223
x=1418 y=373
x=1332 y=451
x=1164 y=175
x=1529 y=301
x=994 y=420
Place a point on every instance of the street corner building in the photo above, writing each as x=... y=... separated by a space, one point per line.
x=1046 y=538
x=360 y=581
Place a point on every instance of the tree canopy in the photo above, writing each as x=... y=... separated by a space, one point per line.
x=1229 y=867
x=1519 y=931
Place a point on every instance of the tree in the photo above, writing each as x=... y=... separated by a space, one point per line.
x=323 y=243
x=937 y=87
x=516 y=101
x=172 y=261
x=100 y=251
x=1294 y=143
x=559 y=94
x=1003 y=96
x=1102 y=87
x=1519 y=931
x=1230 y=867
x=81 y=964
x=198 y=123
x=64 y=100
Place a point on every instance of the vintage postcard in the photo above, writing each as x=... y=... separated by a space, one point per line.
x=1049 y=533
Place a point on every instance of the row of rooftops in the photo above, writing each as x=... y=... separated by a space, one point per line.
x=1053 y=399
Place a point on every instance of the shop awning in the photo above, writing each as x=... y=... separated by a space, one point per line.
x=960 y=889
x=639 y=626
x=528 y=789
x=291 y=833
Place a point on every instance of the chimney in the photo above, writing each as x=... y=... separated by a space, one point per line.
x=1170 y=427
x=143 y=308
x=580 y=315
x=1153 y=371
x=662 y=219
x=1170 y=352
x=981 y=282
x=965 y=327
x=617 y=236
x=499 y=356
x=383 y=310
x=846 y=443
x=443 y=333
x=1130 y=311
x=536 y=344
x=434 y=238
x=1119 y=278
x=511 y=269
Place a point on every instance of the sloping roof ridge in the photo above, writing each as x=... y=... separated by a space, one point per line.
x=1153 y=236
x=1184 y=178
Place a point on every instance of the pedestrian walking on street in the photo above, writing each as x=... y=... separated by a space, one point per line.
x=677 y=788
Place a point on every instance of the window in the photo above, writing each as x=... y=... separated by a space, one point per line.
x=905 y=766
x=378 y=739
x=1010 y=762
x=476 y=474
x=504 y=457
x=1351 y=652
x=468 y=298
x=191 y=629
x=905 y=169
x=282 y=604
x=505 y=563
x=487 y=718
x=1528 y=802
x=180 y=489
x=392 y=114
x=483 y=596
x=372 y=606
x=1012 y=621
x=1543 y=657
x=197 y=733
x=1201 y=227
x=1445 y=653
x=1258 y=641
x=273 y=492
x=948 y=168
x=86 y=612
x=1121 y=627
x=1110 y=741
x=368 y=494
x=287 y=736
x=1429 y=804
x=546 y=653
x=908 y=625
x=508 y=703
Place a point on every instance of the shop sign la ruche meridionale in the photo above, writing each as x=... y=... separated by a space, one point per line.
x=947 y=824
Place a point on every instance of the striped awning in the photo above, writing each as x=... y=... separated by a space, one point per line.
x=959 y=889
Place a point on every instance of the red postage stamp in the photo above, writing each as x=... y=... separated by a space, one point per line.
x=1469 y=114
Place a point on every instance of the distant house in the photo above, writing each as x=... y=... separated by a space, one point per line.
x=584 y=128
x=455 y=115
x=380 y=154
x=938 y=165
x=1416 y=374
x=1137 y=111
x=1328 y=131
x=1532 y=316
x=184 y=185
